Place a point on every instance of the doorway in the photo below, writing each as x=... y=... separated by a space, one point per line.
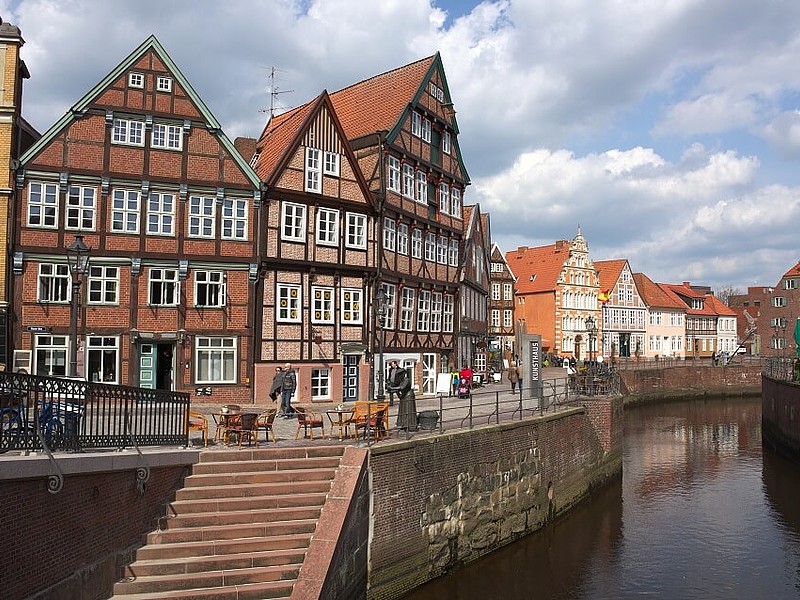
x=156 y=365
x=350 y=377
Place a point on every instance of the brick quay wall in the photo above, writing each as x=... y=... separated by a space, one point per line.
x=780 y=416
x=443 y=501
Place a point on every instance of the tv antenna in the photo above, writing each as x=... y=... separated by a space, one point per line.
x=274 y=92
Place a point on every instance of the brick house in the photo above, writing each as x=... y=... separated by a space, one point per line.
x=473 y=340
x=142 y=172
x=501 y=307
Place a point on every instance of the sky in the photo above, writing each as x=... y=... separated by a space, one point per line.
x=668 y=131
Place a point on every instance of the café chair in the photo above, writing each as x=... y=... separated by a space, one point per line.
x=243 y=426
x=307 y=420
x=376 y=424
x=265 y=422
x=360 y=415
x=199 y=422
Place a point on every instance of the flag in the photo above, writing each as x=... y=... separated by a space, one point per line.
x=604 y=296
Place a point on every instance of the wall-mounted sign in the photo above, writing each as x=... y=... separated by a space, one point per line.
x=38 y=328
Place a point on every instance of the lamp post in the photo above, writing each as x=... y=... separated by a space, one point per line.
x=78 y=260
x=591 y=329
x=380 y=300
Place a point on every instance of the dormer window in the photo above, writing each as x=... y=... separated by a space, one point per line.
x=135 y=80
x=697 y=303
x=164 y=84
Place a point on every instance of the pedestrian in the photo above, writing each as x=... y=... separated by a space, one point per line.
x=466 y=373
x=392 y=378
x=275 y=388
x=513 y=375
x=288 y=386
x=453 y=381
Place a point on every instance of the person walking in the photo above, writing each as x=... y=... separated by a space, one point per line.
x=288 y=386
x=514 y=375
x=392 y=379
x=453 y=381
x=275 y=388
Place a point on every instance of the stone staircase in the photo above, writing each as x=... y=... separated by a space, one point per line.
x=239 y=528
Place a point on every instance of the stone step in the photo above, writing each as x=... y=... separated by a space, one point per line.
x=161 y=583
x=254 y=490
x=251 y=591
x=237 y=517
x=231 y=532
x=257 y=454
x=272 y=464
x=198 y=564
x=253 y=476
x=222 y=547
x=203 y=505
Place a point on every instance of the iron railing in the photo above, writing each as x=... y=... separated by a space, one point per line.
x=784 y=368
x=65 y=414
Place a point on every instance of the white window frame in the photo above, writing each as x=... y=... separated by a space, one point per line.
x=391 y=298
x=332 y=164
x=446 y=142
x=161 y=214
x=163 y=84
x=44 y=198
x=288 y=305
x=394 y=174
x=436 y=312
x=216 y=360
x=322 y=308
x=136 y=80
x=356 y=231
x=165 y=283
x=56 y=349
x=408 y=181
x=167 y=137
x=508 y=291
x=313 y=170
x=441 y=250
x=430 y=247
x=455 y=202
x=327 y=227
x=426 y=130
x=407 y=309
x=496 y=292
x=81 y=208
x=212 y=285
x=402 y=239
x=416 y=243
x=106 y=350
x=494 y=318
x=320 y=383
x=351 y=306
x=424 y=310
x=103 y=285
x=202 y=217
x=444 y=198
x=416 y=124
x=422 y=187
x=125 y=210
x=54 y=284
x=389 y=234
x=235 y=219
x=127 y=132
x=508 y=318
x=448 y=313
x=293 y=222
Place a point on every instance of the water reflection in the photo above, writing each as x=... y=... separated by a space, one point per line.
x=693 y=517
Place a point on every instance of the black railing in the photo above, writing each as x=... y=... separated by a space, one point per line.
x=67 y=414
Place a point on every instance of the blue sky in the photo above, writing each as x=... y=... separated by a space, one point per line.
x=669 y=131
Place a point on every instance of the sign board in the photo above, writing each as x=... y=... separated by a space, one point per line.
x=38 y=328
x=535 y=364
x=443 y=383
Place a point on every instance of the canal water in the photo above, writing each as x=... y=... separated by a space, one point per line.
x=701 y=511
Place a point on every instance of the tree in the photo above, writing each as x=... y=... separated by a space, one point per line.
x=726 y=291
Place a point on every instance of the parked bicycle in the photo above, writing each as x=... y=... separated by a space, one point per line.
x=57 y=422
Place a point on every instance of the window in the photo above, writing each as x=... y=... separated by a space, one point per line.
x=216 y=360
x=313 y=181
x=444 y=198
x=81 y=207
x=446 y=142
x=125 y=211
x=779 y=301
x=508 y=316
x=790 y=284
x=453 y=253
x=407 y=309
x=332 y=163
x=103 y=285
x=389 y=234
x=51 y=355
x=408 y=181
x=416 y=124
x=351 y=306
x=321 y=304
x=294 y=222
x=455 y=202
x=447 y=313
x=288 y=310
x=394 y=174
x=164 y=84
x=54 y=283
x=320 y=384
x=161 y=214
x=436 y=311
x=43 y=205
x=416 y=243
x=103 y=358
x=391 y=297
x=426 y=130
x=327 y=226
x=437 y=92
x=356 y=231
x=201 y=216
x=496 y=292
x=167 y=136
x=129 y=132
x=402 y=239
x=422 y=187
x=430 y=247
x=209 y=289
x=441 y=250
x=164 y=287
x=135 y=80
x=424 y=310
x=508 y=291
x=494 y=318
x=234 y=219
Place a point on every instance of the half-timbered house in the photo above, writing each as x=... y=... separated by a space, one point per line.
x=501 y=308
x=473 y=339
x=141 y=172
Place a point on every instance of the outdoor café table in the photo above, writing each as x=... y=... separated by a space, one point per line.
x=222 y=422
x=340 y=418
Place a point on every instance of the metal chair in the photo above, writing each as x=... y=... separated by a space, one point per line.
x=243 y=426
x=307 y=420
x=265 y=421
x=199 y=422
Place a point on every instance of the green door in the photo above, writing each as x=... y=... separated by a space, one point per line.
x=147 y=366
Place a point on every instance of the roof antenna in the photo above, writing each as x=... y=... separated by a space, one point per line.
x=274 y=92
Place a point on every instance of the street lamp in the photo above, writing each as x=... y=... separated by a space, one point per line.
x=591 y=329
x=78 y=260
x=380 y=301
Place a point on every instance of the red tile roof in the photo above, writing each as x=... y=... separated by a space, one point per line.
x=609 y=271
x=537 y=269
x=654 y=295
x=277 y=138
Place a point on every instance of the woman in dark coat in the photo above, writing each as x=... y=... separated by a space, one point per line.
x=407 y=411
x=275 y=389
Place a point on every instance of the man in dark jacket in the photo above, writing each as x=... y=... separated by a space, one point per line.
x=288 y=386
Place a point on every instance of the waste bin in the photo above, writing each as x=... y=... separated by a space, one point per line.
x=428 y=419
